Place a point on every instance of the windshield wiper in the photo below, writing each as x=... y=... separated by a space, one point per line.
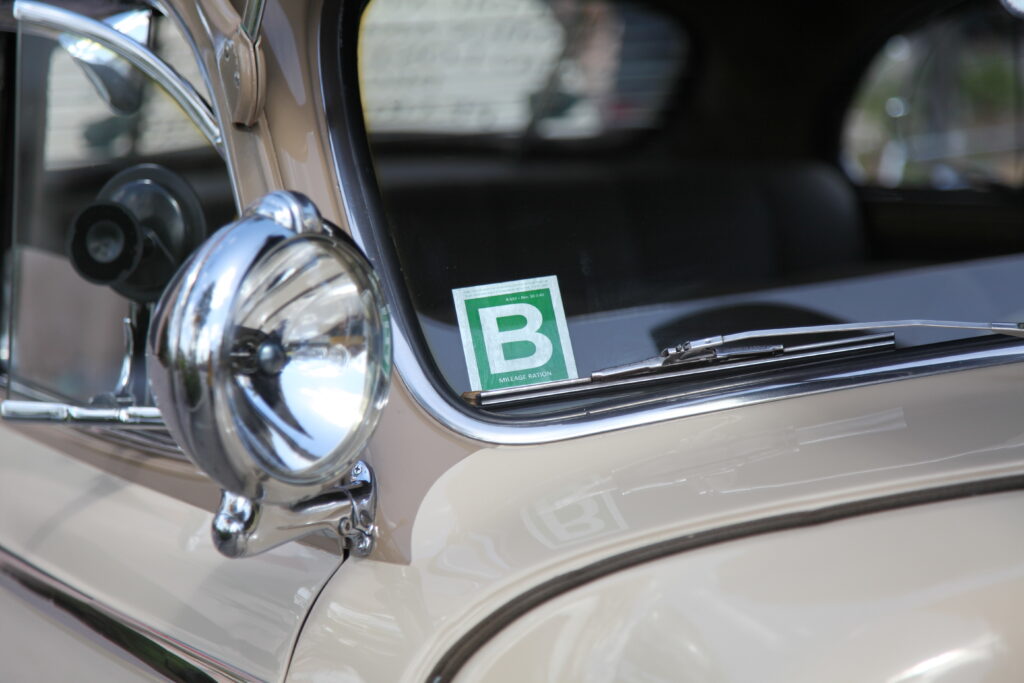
x=717 y=348
x=730 y=352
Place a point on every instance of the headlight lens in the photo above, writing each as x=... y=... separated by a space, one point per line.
x=270 y=353
x=306 y=354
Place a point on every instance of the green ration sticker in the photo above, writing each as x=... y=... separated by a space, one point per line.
x=514 y=333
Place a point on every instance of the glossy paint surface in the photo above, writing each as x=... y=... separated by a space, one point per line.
x=929 y=593
x=148 y=556
x=466 y=528
x=30 y=638
x=506 y=519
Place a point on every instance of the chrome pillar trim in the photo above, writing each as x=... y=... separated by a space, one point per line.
x=140 y=417
x=242 y=527
x=50 y=19
x=177 y=15
x=241 y=65
x=115 y=79
x=145 y=647
x=360 y=197
x=252 y=18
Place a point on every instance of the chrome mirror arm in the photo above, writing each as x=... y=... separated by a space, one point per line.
x=243 y=527
x=50 y=20
x=132 y=385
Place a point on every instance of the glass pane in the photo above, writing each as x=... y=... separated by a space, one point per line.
x=76 y=150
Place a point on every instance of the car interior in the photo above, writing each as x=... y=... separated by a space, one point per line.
x=802 y=164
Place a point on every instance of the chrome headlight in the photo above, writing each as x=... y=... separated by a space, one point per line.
x=270 y=353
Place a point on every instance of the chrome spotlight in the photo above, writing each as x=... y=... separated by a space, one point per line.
x=269 y=357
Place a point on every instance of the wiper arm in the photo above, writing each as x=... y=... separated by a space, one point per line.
x=716 y=348
x=731 y=352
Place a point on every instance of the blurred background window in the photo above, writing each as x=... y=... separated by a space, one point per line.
x=941 y=106
x=517 y=68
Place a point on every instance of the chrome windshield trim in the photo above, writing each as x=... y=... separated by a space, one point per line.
x=686 y=403
x=360 y=198
x=128 y=638
x=49 y=20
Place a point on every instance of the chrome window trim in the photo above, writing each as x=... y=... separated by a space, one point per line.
x=49 y=18
x=353 y=165
x=89 y=617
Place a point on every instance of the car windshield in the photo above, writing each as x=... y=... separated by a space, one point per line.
x=573 y=185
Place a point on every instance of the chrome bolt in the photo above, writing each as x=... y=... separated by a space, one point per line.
x=364 y=544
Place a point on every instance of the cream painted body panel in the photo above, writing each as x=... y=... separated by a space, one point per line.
x=465 y=528
x=504 y=520
x=108 y=530
x=149 y=557
x=928 y=593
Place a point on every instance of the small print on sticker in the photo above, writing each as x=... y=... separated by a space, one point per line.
x=514 y=333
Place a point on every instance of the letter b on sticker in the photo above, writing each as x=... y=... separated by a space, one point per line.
x=514 y=333
x=496 y=340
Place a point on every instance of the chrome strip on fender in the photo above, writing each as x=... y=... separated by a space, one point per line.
x=133 y=641
x=361 y=199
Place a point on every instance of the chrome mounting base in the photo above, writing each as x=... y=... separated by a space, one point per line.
x=243 y=527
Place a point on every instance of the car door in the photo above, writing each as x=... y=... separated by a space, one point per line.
x=107 y=571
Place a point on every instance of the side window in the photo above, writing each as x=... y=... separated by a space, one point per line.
x=114 y=186
x=941 y=106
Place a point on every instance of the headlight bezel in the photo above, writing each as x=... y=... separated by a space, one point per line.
x=191 y=340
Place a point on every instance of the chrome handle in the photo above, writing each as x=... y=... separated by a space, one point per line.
x=142 y=417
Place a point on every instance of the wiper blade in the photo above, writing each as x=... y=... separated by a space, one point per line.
x=707 y=355
x=655 y=370
x=718 y=349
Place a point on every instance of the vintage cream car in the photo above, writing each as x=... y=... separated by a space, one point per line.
x=512 y=340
